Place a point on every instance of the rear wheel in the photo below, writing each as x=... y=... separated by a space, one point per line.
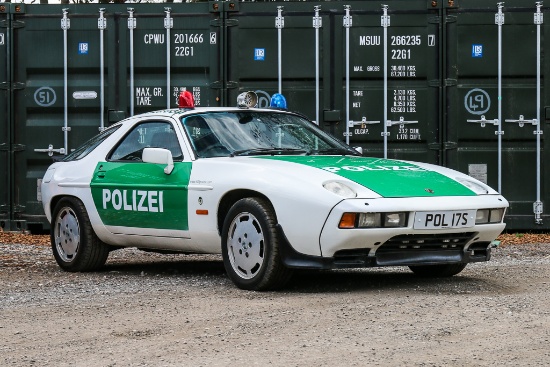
x=250 y=246
x=74 y=243
x=437 y=271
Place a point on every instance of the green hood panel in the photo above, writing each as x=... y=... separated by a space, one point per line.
x=388 y=178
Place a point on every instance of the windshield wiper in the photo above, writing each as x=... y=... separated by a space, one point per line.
x=266 y=151
x=332 y=151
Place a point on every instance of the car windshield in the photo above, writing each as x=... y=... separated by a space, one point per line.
x=241 y=133
x=90 y=145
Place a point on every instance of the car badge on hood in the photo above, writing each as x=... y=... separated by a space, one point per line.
x=430 y=191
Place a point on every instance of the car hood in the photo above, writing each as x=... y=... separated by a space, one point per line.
x=388 y=178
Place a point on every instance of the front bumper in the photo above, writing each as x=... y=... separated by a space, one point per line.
x=432 y=250
x=402 y=246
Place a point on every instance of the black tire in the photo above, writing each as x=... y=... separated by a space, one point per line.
x=250 y=246
x=438 y=271
x=74 y=243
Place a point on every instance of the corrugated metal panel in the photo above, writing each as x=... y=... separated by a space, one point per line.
x=503 y=155
x=172 y=49
x=413 y=78
x=442 y=67
x=5 y=118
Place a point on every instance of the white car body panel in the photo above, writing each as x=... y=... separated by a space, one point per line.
x=307 y=212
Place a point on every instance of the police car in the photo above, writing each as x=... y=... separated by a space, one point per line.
x=268 y=190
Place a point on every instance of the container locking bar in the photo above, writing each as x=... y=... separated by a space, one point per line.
x=484 y=121
x=131 y=26
x=51 y=150
x=168 y=24
x=347 y=24
x=280 y=24
x=65 y=25
x=317 y=23
x=537 y=205
x=102 y=25
x=385 y=22
x=363 y=121
x=499 y=21
x=401 y=121
x=521 y=121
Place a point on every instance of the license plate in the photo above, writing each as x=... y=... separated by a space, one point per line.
x=445 y=219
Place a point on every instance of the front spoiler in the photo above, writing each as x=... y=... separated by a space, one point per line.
x=359 y=258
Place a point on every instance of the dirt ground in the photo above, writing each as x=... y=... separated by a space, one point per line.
x=175 y=310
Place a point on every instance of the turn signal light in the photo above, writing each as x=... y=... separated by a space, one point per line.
x=373 y=220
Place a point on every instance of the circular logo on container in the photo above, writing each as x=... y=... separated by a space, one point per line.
x=45 y=96
x=477 y=101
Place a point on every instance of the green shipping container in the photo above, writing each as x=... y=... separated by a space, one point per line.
x=416 y=80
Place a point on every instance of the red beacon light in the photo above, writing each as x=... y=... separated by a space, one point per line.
x=185 y=100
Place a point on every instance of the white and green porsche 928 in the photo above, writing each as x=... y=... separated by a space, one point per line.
x=269 y=191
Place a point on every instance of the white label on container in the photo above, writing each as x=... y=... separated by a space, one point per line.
x=478 y=171
x=85 y=95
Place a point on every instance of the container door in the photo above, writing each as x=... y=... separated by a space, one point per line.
x=494 y=134
x=168 y=50
x=5 y=116
x=81 y=68
x=255 y=34
x=57 y=62
x=405 y=124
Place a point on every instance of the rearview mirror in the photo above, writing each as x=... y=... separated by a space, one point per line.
x=159 y=156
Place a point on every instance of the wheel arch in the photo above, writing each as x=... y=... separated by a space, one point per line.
x=231 y=198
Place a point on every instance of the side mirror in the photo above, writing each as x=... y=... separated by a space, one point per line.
x=159 y=156
x=358 y=149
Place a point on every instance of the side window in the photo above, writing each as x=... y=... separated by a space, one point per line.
x=147 y=135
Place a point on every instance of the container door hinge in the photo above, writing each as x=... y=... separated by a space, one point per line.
x=5 y=85
x=450 y=19
x=450 y=82
x=434 y=20
x=216 y=85
x=231 y=85
x=433 y=83
x=231 y=22
x=4 y=147
x=448 y=145
x=17 y=24
x=216 y=23
x=3 y=24
x=18 y=85
x=18 y=147
x=18 y=208
x=434 y=146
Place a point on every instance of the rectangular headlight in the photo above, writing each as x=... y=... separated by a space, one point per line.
x=395 y=219
x=482 y=216
x=369 y=220
x=496 y=215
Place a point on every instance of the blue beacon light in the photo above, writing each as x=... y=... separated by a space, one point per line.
x=278 y=101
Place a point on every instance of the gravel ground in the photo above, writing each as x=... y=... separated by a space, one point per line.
x=179 y=310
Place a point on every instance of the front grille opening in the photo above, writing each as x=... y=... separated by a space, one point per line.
x=418 y=242
x=352 y=256
x=479 y=248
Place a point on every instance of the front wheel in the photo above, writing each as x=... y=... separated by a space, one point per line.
x=74 y=243
x=250 y=246
x=437 y=271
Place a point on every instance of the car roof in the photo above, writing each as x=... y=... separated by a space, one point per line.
x=176 y=112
